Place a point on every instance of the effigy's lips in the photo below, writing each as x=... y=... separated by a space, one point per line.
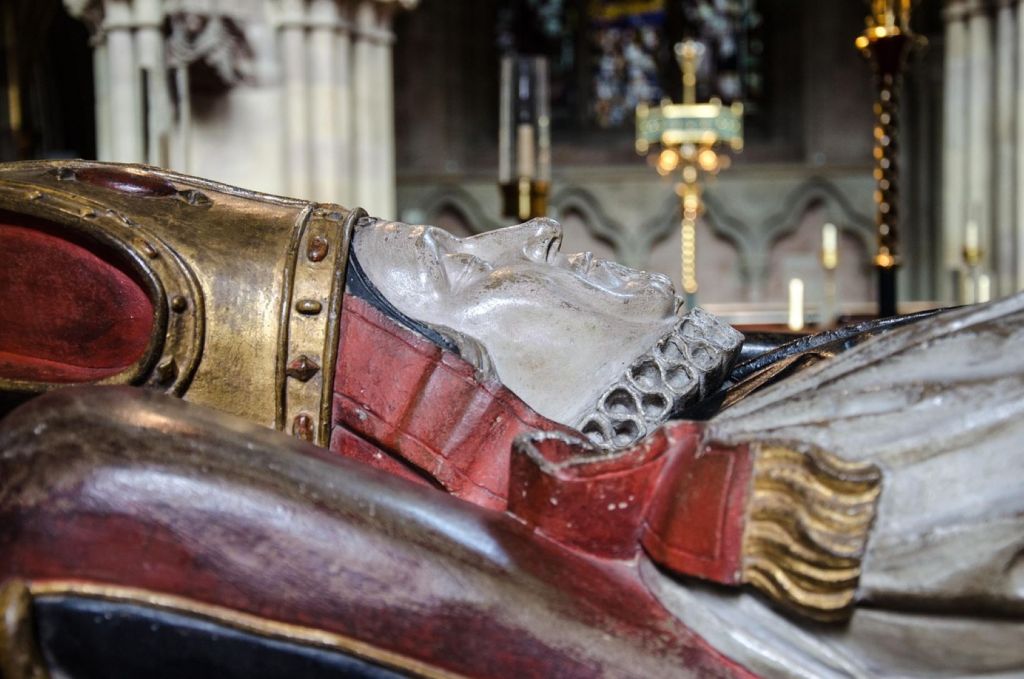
x=685 y=366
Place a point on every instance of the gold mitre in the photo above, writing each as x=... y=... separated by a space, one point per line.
x=246 y=287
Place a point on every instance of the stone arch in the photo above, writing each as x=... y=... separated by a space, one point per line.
x=793 y=235
x=599 y=225
x=460 y=202
x=839 y=211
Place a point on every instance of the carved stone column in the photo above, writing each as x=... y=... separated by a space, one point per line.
x=365 y=92
x=149 y=45
x=1006 y=256
x=1019 y=150
x=295 y=93
x=323 y=78
x=954 y=205
x=386 y=119
x=124 y=95
x=983 y=165
x=101 y=80
x=91 y=12
x=979 y=125
x=343 y=109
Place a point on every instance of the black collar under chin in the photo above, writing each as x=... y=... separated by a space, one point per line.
x=357 y=283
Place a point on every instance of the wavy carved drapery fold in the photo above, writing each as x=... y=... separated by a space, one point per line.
x=809 y=518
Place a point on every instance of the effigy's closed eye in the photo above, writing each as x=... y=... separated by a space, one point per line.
x=464 y=269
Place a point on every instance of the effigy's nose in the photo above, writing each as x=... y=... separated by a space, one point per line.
x=545 y=227
x=543 y=239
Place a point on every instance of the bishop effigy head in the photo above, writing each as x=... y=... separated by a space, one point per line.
x=584 y=341
x=239 y=300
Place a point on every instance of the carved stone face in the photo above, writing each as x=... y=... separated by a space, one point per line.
x=559 y=329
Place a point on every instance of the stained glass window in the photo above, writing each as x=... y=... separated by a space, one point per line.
x=606 y=56
x=729 y=31
x=626 y=38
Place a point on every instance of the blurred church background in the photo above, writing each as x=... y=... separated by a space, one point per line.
x=393 y=105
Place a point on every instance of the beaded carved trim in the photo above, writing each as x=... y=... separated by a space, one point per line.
x=685 y=365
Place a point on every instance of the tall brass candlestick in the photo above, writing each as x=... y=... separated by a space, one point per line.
x=886 y=43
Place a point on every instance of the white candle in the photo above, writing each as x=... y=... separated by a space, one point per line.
x=829 y=246
x=525 y=161
x=505 y=123
x=984 y=289
x=796 y=304
x=971 y=237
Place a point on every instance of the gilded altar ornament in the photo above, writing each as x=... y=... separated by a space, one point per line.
x=689 y=135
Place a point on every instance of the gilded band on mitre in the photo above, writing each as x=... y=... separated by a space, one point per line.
x=314 y=287
x=808 y=520
x=246 y=287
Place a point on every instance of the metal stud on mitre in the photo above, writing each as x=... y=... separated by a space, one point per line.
x=317 y=249
x=302 y=427
x=166 y=370
x=308 y=307
x=302 y=368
